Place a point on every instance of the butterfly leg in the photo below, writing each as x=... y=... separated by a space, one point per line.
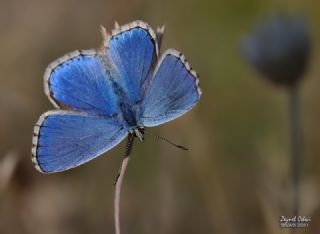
x=126 y=155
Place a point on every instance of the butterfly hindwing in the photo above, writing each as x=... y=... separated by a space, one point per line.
x=64 y=139
x=78 y=81
x=174 y=90
x=132 y=50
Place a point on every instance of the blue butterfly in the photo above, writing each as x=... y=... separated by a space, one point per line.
x=103 y=95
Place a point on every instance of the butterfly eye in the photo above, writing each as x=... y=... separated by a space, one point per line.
x=141 y=129
x=138 y=133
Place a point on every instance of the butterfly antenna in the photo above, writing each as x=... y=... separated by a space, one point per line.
x=166 y=140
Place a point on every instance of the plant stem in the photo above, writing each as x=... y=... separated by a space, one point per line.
x=296 y=147
x=118 y=182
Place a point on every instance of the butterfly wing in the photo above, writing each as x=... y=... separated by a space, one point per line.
x=132 y=50
x=64 y=139
x=174 y=90
x=78 y=81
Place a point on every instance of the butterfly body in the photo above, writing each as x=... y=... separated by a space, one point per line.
x=103 y=95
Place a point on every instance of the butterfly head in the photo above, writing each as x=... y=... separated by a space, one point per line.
x=139 y=132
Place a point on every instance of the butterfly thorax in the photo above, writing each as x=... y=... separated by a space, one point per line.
x=128 y=107
x=130 y=114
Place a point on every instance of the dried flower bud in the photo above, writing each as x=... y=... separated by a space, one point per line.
x=279 y=48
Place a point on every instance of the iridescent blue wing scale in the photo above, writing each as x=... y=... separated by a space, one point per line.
x=78 y=81
x=132 y=49
x=65 y=139
x=174 y=90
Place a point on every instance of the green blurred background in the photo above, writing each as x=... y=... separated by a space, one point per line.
x=234 y=178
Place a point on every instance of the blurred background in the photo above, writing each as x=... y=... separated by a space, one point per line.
x=234 y=178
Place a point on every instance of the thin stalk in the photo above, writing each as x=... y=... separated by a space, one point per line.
x=118 y=182
x=296 y=153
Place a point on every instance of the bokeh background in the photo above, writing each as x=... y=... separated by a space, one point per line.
x=235 y=177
